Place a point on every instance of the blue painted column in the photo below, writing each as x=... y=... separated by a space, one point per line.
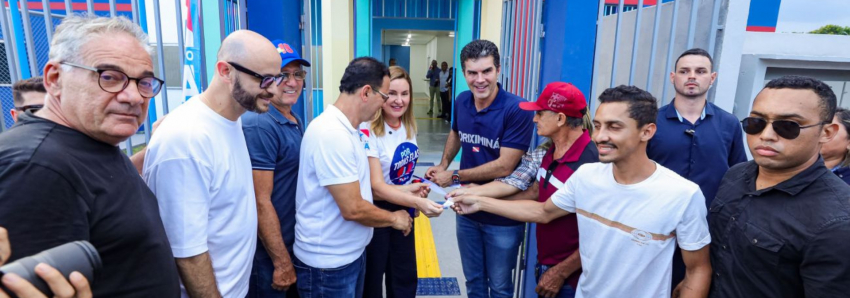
x=464 y=34
x=568 y=47
x=20 y=45
x=363 y=28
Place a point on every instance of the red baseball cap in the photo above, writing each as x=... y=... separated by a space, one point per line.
x=559 y=97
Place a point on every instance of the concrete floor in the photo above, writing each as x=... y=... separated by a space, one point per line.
x=431 y=139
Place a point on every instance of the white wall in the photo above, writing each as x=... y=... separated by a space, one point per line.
x=445 y=49
x=167 y=17
x=418 y=68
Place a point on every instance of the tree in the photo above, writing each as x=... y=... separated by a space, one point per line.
x=832 y=29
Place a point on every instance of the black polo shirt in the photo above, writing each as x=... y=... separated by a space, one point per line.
x=789 y=240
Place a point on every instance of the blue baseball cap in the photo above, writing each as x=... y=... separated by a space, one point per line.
x=288 y=53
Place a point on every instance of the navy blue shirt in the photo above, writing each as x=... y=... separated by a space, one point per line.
x=843 y=173
x=701 y=152
x=483 y=133
x=274 y=144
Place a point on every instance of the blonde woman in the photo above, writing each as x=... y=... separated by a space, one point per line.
x=393 y=154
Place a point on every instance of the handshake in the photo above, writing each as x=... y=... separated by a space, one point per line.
x=76 y=285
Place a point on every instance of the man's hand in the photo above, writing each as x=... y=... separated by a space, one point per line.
x=429 y=208
x=464 y=191
x=283 y=276
x=5 y=247
x=442 y=178
x=79 y=286
x=429 y=174
x=403 y=221
x=550 y=283
x=468 y=204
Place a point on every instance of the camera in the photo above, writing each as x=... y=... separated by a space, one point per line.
x=78 y=256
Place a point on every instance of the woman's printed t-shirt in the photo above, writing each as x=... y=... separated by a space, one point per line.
x=397 y=154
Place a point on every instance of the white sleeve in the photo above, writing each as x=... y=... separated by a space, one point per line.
x=182 y=188
x=565 y=198
x=692 y=231
x=335 y=159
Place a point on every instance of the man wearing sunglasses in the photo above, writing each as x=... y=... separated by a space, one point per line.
x=63 y=177
x=198 y=166
x=781 y=223
x=28 y=96
x=560 y=111
x=274 y=143
x=696 y=139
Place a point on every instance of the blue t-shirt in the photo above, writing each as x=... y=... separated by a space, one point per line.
x=483 y=133
x=274 y=144
x=701 y=152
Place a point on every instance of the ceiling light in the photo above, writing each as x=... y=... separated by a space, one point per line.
x=451 y=34
x=409 y=35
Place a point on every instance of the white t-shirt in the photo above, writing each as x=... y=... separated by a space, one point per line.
x=332 y=153
x=397 y=154
x=198 y=166
x=627 y=233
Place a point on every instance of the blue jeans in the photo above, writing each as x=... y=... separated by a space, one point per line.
x=488 y=254
x=566 y=291
x=345 y=281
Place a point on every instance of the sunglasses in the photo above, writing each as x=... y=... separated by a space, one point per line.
x=265 y=81
x=29 y=108
x=786 y=129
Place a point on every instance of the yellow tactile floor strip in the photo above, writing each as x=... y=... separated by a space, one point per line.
x=427 y=264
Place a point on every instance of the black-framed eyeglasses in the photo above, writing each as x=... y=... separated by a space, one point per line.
x=29 y=108
x=115 y=81
x=384 y=96
x=265 y=81
x=786 y=129
x=299 y=75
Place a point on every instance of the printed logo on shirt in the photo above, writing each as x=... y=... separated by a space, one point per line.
x=640 y=237
x=403 y=163
x=476 y=149
x=475 y=139
x=364 y=137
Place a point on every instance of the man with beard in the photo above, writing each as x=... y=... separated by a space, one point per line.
x=781 y=222
x=631 y=211
x=695 y=138
x=198 y=166
x=274 y=143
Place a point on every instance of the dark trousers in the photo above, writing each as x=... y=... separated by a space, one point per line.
x=391 y=255
x=260 y=284
x=446 y=99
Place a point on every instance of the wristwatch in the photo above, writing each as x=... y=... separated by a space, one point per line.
x=455 y=177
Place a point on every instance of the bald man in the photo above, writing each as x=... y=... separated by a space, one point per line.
x=198 y=166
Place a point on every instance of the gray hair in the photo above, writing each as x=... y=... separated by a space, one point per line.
x=77 y=30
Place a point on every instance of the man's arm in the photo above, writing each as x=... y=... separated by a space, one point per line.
x=825 y=269
x=551 y=282
x=354 y=208
x=697 y=274
x=268 y=229
x=530 y=193
x=525 y=211
x=501 y=167
x=197 y=276
x=449 y=153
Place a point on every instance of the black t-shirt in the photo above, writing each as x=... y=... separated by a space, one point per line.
x=58 y=185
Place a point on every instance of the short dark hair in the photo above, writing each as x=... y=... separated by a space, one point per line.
x=363 y=71
x=827 y=97
x=697 y=52
x=574 y=122
x=479 y=48
x=34 y=84
x=643 y=107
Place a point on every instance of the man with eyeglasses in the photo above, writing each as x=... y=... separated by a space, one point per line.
x=198 y=166
x=781 y=223
x=333 y=201
x=63 y=177
x=28 y=96
x=274 y=143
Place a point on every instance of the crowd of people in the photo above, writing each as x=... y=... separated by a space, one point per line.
x=235 y=196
